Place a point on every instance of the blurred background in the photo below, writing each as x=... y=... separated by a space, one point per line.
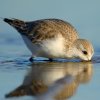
x=84 y=15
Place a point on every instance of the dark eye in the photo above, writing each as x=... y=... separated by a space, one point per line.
x=85 y=52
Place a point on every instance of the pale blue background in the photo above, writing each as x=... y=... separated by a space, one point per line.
x=83 y=14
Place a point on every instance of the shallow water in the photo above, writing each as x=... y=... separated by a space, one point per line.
x=43 y=80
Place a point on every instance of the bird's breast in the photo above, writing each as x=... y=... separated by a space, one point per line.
x=53 y=48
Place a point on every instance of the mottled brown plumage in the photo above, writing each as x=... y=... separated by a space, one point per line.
x=49 y=28
x=52 y=38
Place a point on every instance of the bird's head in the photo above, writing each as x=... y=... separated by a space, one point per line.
x=19 y=25
x=83 y=49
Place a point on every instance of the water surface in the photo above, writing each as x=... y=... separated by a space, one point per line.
x=43 y=80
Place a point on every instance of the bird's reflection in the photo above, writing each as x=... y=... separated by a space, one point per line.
x=53 y=80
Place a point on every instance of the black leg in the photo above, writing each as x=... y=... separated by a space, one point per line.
x=50 y=59
x=31 y=59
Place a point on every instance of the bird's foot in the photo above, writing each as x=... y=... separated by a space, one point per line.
x=50 y=59
x=31 y=59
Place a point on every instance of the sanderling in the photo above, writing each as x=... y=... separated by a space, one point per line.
x=52 y=38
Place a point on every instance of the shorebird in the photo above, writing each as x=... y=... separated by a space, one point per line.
x=52 y=38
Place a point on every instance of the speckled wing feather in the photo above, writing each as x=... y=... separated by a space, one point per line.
x=40 y=30
x=49 y=28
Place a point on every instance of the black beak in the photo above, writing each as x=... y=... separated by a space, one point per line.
x=9 y=21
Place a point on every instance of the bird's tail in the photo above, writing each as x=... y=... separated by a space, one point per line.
x=19 y=25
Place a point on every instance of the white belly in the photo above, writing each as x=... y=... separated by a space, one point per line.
x=53 y=48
